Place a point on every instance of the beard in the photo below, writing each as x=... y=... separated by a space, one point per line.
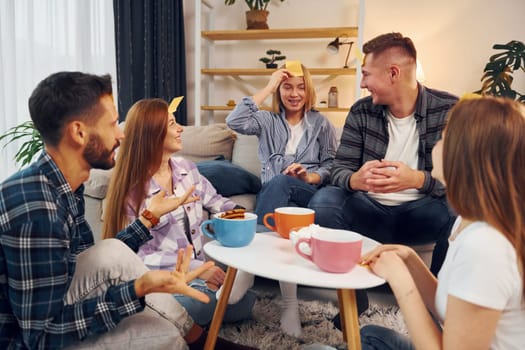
x=97 y=155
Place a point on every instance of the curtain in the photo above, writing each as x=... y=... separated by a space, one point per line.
x=40 y=37
x=150 y=52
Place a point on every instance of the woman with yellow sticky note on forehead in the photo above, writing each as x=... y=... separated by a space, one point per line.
x=297 y=145
x=147 y=164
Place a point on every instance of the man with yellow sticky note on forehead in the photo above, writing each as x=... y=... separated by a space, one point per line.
x=296 y=147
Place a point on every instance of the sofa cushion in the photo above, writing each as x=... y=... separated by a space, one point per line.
x=96 y=185
x=229 y=179
x=245 y=153
x=207 y=142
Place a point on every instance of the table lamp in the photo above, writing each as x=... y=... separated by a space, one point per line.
x=333 y=48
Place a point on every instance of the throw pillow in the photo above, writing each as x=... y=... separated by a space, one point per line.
x=207 y=142
x=229 y=179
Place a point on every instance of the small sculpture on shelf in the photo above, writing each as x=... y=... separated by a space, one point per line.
x=275 y=55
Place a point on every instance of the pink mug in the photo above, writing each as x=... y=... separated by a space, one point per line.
x=331 y=250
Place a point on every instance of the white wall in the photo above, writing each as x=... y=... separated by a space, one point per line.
x=454 y=40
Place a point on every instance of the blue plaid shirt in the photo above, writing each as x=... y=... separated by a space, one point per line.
x=42 y=231
x=315 y=151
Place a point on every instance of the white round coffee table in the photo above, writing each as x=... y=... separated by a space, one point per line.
x=274 y=257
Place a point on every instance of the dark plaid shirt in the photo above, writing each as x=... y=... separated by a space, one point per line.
x=42 y=231
x=365 y=137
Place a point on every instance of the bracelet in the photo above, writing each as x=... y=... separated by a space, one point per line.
x=148 y=215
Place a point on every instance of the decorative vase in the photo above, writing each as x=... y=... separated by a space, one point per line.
x=257 y=19
x=271 y=65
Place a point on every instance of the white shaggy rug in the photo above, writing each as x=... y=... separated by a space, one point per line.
x=263 y=330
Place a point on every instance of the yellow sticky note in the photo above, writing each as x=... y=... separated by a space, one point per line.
x=470 y=96
x=359 y=56
x=174 y=104
x=295 y=68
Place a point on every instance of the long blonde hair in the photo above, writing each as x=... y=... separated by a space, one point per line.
x=139 y=157
x=484 y=165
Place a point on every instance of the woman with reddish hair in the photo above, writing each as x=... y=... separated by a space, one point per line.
x=478 y=294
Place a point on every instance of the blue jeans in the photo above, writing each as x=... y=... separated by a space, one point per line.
x=380 y=338
x=202 y=313
x=416 y=222
x=422 y=221
x=283 y=191
x=375 y=338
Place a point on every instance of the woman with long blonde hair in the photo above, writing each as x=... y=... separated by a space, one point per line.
x=146 y=165
x=297 y=146
x=478 y=295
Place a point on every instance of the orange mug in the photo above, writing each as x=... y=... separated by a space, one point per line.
x=287 y=218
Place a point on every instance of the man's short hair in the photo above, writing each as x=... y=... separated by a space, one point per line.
x=62 y=96
x=386 y=41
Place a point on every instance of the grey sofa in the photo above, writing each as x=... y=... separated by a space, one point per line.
x=200 y=143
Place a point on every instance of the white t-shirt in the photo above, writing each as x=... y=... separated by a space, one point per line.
x=481 y=268
x=296 y=133
x=402 y=146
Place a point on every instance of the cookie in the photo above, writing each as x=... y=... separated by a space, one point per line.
x=233 y=214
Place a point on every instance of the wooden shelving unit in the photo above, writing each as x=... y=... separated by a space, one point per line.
x=291 y=33
x=266 y=71
x=274 y=34
x=229 y=108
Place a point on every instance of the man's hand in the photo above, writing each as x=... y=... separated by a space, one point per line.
x=359 y=179
x=160 y=204
x=174 y=282
x=394 y=176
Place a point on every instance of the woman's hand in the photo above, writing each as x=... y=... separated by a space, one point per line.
x=276 y=79
x=214 y=277
x=161 y=204
x=389 y=265
x=401 y=250
x=174 y=282
x=299 y=172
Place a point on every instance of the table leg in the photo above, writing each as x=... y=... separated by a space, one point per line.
x=341 y=313
x=349 y=319
x=218 y=315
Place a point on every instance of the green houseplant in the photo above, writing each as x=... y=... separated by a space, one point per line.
x=275 y=55
x=497 y=78
x=257 y=16
x=31 y=146
x=252 y=4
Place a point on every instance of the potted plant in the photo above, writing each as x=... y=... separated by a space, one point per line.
x=257 y=16
x=30 y=147
x=275 y=55
x=497 y=78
